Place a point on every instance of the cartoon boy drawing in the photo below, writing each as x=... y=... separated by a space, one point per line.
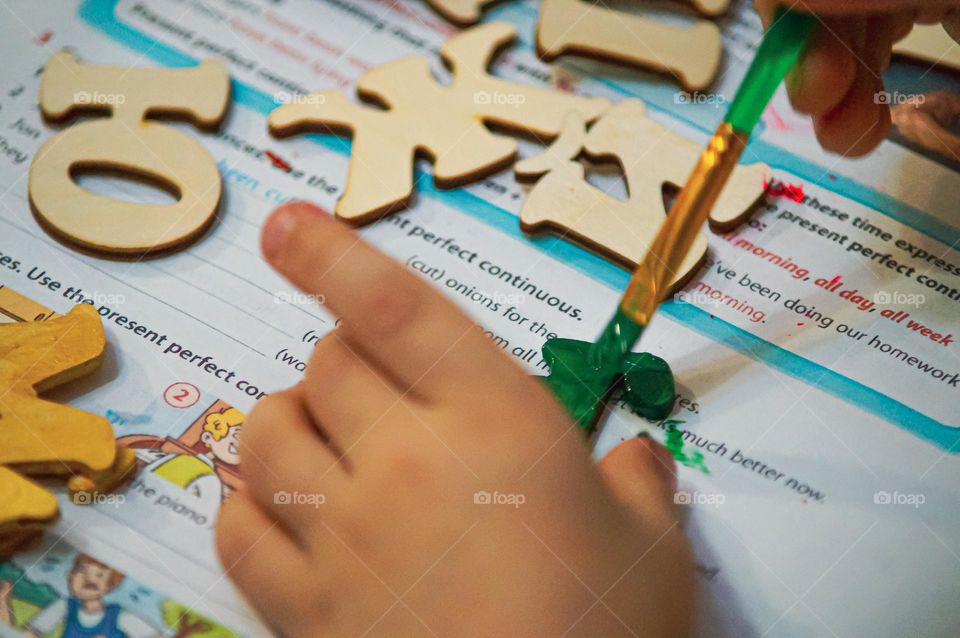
x=198 y=473
x=84 y=614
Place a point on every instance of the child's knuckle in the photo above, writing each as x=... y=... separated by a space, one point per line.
x=264 y=418
x=326 y=362
x=393 y=311
x=355 y=532
x=258 y=449
x=406 y=465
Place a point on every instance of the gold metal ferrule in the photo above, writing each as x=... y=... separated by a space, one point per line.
x=653 y=275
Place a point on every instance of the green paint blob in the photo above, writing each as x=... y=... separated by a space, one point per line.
x=648 y=386
x=674 y=444
x=584 y=374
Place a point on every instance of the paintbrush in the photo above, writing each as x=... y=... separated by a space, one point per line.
x=581 y=373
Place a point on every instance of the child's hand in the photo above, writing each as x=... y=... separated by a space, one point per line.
x=363 y=509
x=929 y=124
x=840 y=76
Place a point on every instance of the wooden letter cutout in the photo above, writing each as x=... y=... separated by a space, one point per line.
x=711 y=7
x=462 y=13
x=128 y=143
x=16 y=307
x=42 y=438
x=466 y=12
x=444 y=122
x=930 y=43
x=690 y=53
x=649 y=156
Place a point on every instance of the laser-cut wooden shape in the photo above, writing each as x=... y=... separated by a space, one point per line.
x=16 y=307
x=711 y=7
x=649 y=156
x=128 y=143
x=460 y=12
x=689 y=53
x=25 y=509
x=45 y=439
x=444 y=122
x=930 y=43
x=467 y=12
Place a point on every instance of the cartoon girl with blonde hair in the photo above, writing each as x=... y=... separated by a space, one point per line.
x=198 y=473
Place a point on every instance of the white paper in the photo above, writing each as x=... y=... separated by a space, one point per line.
x=830 y=503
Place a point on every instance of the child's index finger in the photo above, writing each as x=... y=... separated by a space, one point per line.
x=394 y=320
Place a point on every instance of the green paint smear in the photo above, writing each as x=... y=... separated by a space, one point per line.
x=674 y=444
x=583 y=375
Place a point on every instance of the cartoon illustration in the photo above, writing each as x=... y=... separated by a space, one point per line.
x=56 y=592
x=197 y=473
x=21 y=598
x=203 y=460
x=84 y=614
x=189 y=624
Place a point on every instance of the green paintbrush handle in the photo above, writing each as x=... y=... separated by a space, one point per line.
x=778 y=53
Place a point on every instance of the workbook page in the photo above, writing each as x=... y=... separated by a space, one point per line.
x=815 y=351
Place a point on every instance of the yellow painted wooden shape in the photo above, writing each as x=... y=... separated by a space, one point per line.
x=447 y=123
x=650 y=156
x=127 y=143
x=25 y=509
x=46 y=439
x=690 y=53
